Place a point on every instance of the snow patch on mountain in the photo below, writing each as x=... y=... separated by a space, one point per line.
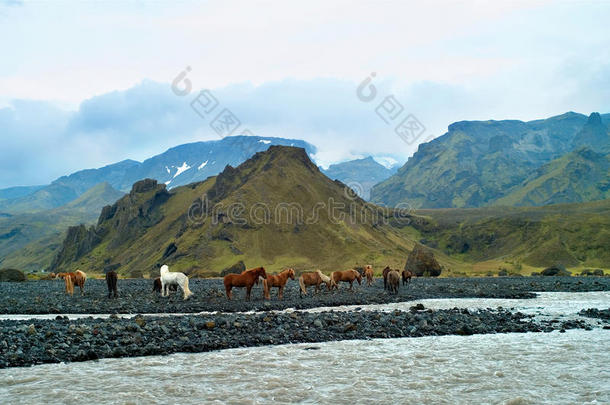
x=181 y=169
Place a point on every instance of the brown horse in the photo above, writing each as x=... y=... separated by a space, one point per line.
x=406 y=277
x=277 y=280
x=111 y=281
x=393 y=281
x=245 y=279
x=157 y=286
x=347 y=276
x=385 y=277
x=78 y=278
x=368 y=273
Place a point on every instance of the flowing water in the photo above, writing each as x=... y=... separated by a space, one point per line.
x=552 y=368
x=569 y=367
x=546 y=304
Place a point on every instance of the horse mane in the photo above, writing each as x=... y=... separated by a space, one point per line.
x=254 y=269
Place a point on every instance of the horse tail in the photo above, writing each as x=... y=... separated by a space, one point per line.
x=186 y=290
x=302 y=285
x=69 y=285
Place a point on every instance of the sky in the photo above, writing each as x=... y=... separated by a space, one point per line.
x=85 y=84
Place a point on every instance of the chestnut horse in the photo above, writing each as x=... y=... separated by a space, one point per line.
x=157 y=286
x=347 y=276
x=368 y=273
x=406 y=277
x=111 y=281
x=245 y=279
x=78 y=278
x=393 y=281
x=277 y=280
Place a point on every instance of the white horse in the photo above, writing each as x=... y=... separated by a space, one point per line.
x=327 y=280
x=174 y=278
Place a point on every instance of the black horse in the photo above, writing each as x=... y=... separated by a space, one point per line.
x=157 y=286
x=111 y=281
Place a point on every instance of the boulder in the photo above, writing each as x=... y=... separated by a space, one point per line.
x=12 y=275
x=557 y=270
x=422 y=263
x=235 y=269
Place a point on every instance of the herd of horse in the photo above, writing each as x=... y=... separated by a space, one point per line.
x=171 y=281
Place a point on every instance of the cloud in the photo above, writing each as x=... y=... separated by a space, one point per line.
x=283 y=70
x=11 y=3
x=44 y=142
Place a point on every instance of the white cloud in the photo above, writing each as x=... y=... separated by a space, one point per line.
x=285 y=69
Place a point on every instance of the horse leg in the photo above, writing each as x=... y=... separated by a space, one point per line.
x=266 y=290
x=280 y=293
x=228 y=291
x=351 y=285
x=248 y=289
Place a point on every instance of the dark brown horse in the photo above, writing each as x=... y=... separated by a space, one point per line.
x=245 y=279
x=406 y=277
x=347 y=276
x=385 y=277
x=393 y=281
x=111 y=281
x=277 y=280
x=157 y=286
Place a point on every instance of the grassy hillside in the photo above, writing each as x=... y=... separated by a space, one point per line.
x=580 y=176
x=522 y=239
x=30 y=241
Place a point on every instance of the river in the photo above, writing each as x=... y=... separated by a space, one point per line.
x=555 y=367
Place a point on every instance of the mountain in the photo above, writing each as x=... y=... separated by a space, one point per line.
x=594 y=135
x=360 y=174
x=29 y=241
x=177 y=166
x=276 y=209
x=579 y=176
x=48 y=197
x=16 y=192
x=478 y=162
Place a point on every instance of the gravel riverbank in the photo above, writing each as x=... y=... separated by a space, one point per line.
x=25 y=343
x=135 y=296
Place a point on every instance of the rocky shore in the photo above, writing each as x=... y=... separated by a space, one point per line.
x=25 y=343
x=135 y=296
